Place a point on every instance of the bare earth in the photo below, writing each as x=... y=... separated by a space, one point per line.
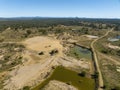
x=113 y=47
x=36 y=67
x=45 y=44
x=56 y=85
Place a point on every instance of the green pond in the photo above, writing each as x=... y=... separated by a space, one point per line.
x=79 y=52
x=68 y=76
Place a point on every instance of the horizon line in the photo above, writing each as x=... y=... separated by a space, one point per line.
x=59 y=17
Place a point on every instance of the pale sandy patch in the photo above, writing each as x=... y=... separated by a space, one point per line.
x=113 y=46
x=57 y=85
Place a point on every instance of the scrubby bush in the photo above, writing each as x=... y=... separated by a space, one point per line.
x=26 y=88
x=83 y=73
x=53 y=52
x=95 y=75
x=41 y=53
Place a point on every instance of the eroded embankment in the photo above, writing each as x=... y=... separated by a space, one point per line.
x=39 y=58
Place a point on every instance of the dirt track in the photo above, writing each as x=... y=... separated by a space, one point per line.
x=100 y=78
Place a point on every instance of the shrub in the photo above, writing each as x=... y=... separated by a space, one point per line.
x=41 y=53
x=26 y=88
x=53 y=52
x=83 y=73
x=95 y=75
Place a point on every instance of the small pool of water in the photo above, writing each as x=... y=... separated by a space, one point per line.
x=68 y=76
x=79 y=52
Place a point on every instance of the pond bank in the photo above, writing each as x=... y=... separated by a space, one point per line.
x=71 y=77
x=93 y=63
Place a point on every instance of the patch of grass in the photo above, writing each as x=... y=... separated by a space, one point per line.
x=110 y=74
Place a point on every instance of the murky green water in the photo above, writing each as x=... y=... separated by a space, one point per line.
x=71 y=77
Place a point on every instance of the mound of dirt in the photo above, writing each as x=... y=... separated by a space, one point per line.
x=57 y=85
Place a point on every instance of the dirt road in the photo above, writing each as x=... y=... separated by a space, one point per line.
x=100 y=78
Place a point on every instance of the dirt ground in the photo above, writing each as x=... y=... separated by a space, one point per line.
x=56 y=85
x=36 y=66
x=43 y=44
x=113 y=46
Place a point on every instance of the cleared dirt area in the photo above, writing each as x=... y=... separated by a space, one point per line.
x=43 y=44
x=41 y=54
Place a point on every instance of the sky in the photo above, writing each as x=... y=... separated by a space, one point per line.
x=60 y=8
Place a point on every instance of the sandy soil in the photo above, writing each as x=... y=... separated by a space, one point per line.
x=36 y=67
x=113 y=47
x=44 y=44
x=73 y=63
x=26 y=75
x=90 y=36
x=57 y=85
